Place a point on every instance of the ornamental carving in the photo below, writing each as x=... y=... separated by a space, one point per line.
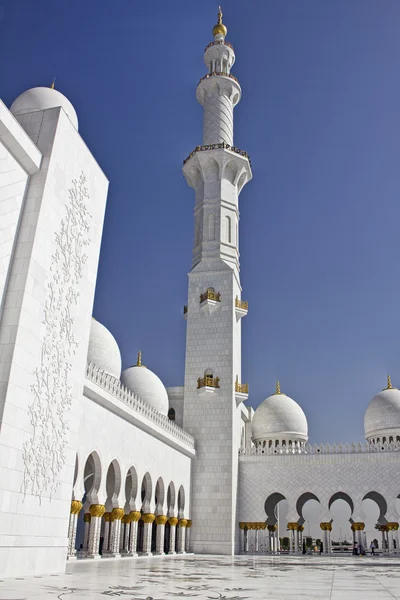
x=44 y=452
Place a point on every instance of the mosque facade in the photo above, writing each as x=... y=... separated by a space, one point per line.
x=99 y=463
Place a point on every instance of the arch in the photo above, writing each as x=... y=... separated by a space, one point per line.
x=341 y=496
x=146 y=492
x=242 y=181
x=211 y=169
x=301 y=502
x=228 y=229
x=171 y=498
x=113 y=484
x=159 y=495
x=381 y=502
x=131 y=487
x=270 y=507
x=92 y=477
x=230 y=172
x=181 y=502
x=171 y=414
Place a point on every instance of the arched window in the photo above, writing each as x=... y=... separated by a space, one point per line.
x=171 y=414
x=228 y=227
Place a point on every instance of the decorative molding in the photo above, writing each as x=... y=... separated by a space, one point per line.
x=44 y=452
x=305 y=449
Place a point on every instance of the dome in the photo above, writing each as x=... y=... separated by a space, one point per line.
x=103 y=349
x=143 y=382
x=382 y=417
x=279 y=418
x=41 y=98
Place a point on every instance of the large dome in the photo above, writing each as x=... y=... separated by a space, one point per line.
x=382 y=417
x=103 y=349
x=42 y=98
x=279 y=419
x=147 y=386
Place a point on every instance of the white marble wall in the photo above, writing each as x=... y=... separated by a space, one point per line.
x=48 y=305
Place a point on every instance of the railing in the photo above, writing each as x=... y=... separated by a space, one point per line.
x=185 y=309
x=347 y=448
x=113 y=386
x=223 y=145
x=208 y=381
x=209 y=295
x=242 y=388
x=244 y=305
x=217 y=43
x=221 y=74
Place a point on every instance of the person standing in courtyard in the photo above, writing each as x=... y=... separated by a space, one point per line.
x=372 y=547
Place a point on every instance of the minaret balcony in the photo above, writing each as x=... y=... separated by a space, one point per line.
x=241 y=308
x=241 y=392
x=207 y=385
x=210 y=300
x=185 y=311
x=219 y=146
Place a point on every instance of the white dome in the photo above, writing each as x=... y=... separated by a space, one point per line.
x=279 y=418
x=103 y=350
x=382 y=417
x=147 y=386
x=41 y=98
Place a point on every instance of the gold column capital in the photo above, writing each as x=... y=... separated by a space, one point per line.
x=189 y=523
x=358 y=526
x=393 y=526
x=97 y=510
x=87 y=517
x=126 y=519
x=272 y=527
x=326 y=526
x=161 y=519
x=293 y=526
x=107 y=517
x=148 y=518
x=173 y=521
x=117 y=514
x=135 y=515
x=182 y=522
x=76 y=507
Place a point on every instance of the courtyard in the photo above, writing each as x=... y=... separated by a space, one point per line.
x=216 y=577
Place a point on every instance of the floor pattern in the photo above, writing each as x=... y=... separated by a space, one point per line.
x=216 y=578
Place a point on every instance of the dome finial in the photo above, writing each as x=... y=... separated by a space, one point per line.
x=219 y=29
x=139 y=359
x=389 y=383
x=278 y=387
x=53 y=83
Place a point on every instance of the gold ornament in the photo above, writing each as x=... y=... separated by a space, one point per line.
x=148 y=518
x=393 y=526
x=117 y=513
x=182 y=522
x=272 y=527
x=161 y=519
x=219 y=28
x=97 y=510
x=189 y=523
x=326 y=526
x=292 y=526
x=173 y=521
x=76 y=507
x=358 y=526
x=107 y=517
x=134 y=515
x=87 y=517
x=278 y=388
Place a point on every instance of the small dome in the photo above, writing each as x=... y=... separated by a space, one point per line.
x=279 y=418
x=143 y=382
x=103 y=349
x=41 y=98
x=382 y=417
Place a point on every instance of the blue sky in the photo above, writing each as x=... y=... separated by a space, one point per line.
x=319 y=226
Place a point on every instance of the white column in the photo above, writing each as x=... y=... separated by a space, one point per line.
x=76 y=507
x=86 y=519
x=147 y=519
x=187 y=541
x=125 y=539
x=257 y=548
x=172 y=533
x=106 y=541
x=134 y=516
x=116 y=515
x=160 y=534
x=96 y=512
x=181 y=535
x=390 y=538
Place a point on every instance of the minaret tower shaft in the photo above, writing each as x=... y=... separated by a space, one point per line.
x=213 y=396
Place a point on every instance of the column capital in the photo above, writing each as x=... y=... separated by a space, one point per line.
x=393 y=526
x=148 y=518
x=358 y=526
x=293 y=526
x=161 y=519
x=126 y=519
x=117 y=513
x=135 y=515
x=182 y=522
x=272 y=527
x=173 y=521
x=325 y=526
x=107 y=517
x=97 y=510
x=242 y=525
x=189 y=523
x=87 y=517
x=76 y=507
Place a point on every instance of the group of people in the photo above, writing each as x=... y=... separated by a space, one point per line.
x=359 y=550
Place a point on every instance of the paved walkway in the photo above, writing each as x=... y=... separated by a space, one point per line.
x=216 y=577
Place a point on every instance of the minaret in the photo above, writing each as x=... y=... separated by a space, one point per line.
x=217 y=171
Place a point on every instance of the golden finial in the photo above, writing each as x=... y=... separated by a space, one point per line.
x=278 y=388
x=219 y=28
x=139 y=359
x=389 y=383
x=53 y=84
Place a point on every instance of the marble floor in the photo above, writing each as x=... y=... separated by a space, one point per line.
x=216 y=577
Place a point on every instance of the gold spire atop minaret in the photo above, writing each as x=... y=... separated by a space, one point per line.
x=53 y=83
x=389 y=384
x=278 y=388
x=219 y=28
x=139 y=359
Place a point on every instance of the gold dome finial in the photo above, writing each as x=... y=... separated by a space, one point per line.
x=278 y=388
x=139 y=359
x=219 y=28
x=53 y=83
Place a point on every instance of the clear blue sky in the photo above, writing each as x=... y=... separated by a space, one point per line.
x=320 y=220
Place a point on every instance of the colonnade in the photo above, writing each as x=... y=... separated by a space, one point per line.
x=119 y=533
x=269 y=541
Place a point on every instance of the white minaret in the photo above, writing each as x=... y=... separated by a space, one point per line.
x=217 y=171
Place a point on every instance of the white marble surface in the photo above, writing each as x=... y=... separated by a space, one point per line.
x=210 y=577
